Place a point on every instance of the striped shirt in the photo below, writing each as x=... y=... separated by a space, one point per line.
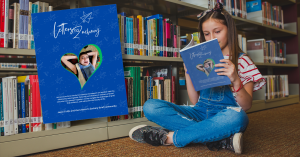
x=247 y=72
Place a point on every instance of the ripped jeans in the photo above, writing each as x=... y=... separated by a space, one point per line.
x=216 y=116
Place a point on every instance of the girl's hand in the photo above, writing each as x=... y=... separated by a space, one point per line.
x=228 y=70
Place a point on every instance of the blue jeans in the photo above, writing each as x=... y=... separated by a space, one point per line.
x=212 y=119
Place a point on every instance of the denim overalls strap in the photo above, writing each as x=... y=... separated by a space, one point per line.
x=217 y=97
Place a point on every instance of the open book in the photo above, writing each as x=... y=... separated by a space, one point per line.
x=200 y=61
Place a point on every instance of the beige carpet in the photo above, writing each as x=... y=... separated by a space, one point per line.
x=273 y=132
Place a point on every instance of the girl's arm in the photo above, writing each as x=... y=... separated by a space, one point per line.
x=244 y=95
x=94 y=60
x=193 y=95
x=65 y=59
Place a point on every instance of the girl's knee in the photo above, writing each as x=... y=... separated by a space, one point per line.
x=151 y=107
x=238 y=118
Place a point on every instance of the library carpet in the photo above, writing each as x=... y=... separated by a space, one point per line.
x=273 y=132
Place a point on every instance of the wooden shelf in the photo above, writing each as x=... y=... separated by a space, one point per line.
x=11 y=51
x=275 y=65
x=258 y=105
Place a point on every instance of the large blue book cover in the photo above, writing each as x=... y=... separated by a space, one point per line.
x=200 y=61
x=80 y=65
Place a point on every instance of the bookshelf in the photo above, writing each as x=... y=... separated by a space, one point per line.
x=94 y=130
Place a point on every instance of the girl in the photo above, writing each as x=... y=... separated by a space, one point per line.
x=218 y=118
x=83 y=69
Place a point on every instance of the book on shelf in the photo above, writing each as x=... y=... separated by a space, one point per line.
x=155 y=82
x=277 y=86
x=266 y=13
x=267 y=51
x=149 y=36
x=200 y=62
x=20 y=110
x=15 y=24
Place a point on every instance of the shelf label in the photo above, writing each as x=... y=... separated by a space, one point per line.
x=10 y=36
x=2 y=35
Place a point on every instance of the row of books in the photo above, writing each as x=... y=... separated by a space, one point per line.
x=234 y=7
x=18 y=65
x=277 y=86
x=272 y=51
x=20 y=106
x=145 y=84
x=16 y=56
x=149 y=36
x=266 y=13
x=15 y=24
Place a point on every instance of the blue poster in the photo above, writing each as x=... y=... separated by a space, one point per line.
x=80 y=65
x=200 y=61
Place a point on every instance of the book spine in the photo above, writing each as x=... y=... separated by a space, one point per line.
x=10 y=27
x=23 y=107
x=124 y=34
x=38 y=104
x=26 y=108
x=6 y=33
x=2 y=23
x=1 y=111
x=6 y=107
x=138 y=36
x=11 y=106
x=29 y=105
x=29 y=25
x=34 y=6
x=19 y=108
x=26 y=8
x=16 y=25
x=15 y=99
x=21 y=25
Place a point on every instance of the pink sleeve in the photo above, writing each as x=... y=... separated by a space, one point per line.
x=249 y=72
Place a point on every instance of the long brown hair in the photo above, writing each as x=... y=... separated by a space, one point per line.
x=225 y=18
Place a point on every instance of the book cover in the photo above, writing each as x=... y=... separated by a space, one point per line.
x=200 y=62
x=90 y=88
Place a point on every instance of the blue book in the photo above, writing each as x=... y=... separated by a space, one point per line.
x=1 y=112
x=127 y=36
x=131 y=35
x=23 y=107
x=26 y=8
x=200 y=61
x=19 y=108
x=253 y=6
x=94 y=88
x=232 y=7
